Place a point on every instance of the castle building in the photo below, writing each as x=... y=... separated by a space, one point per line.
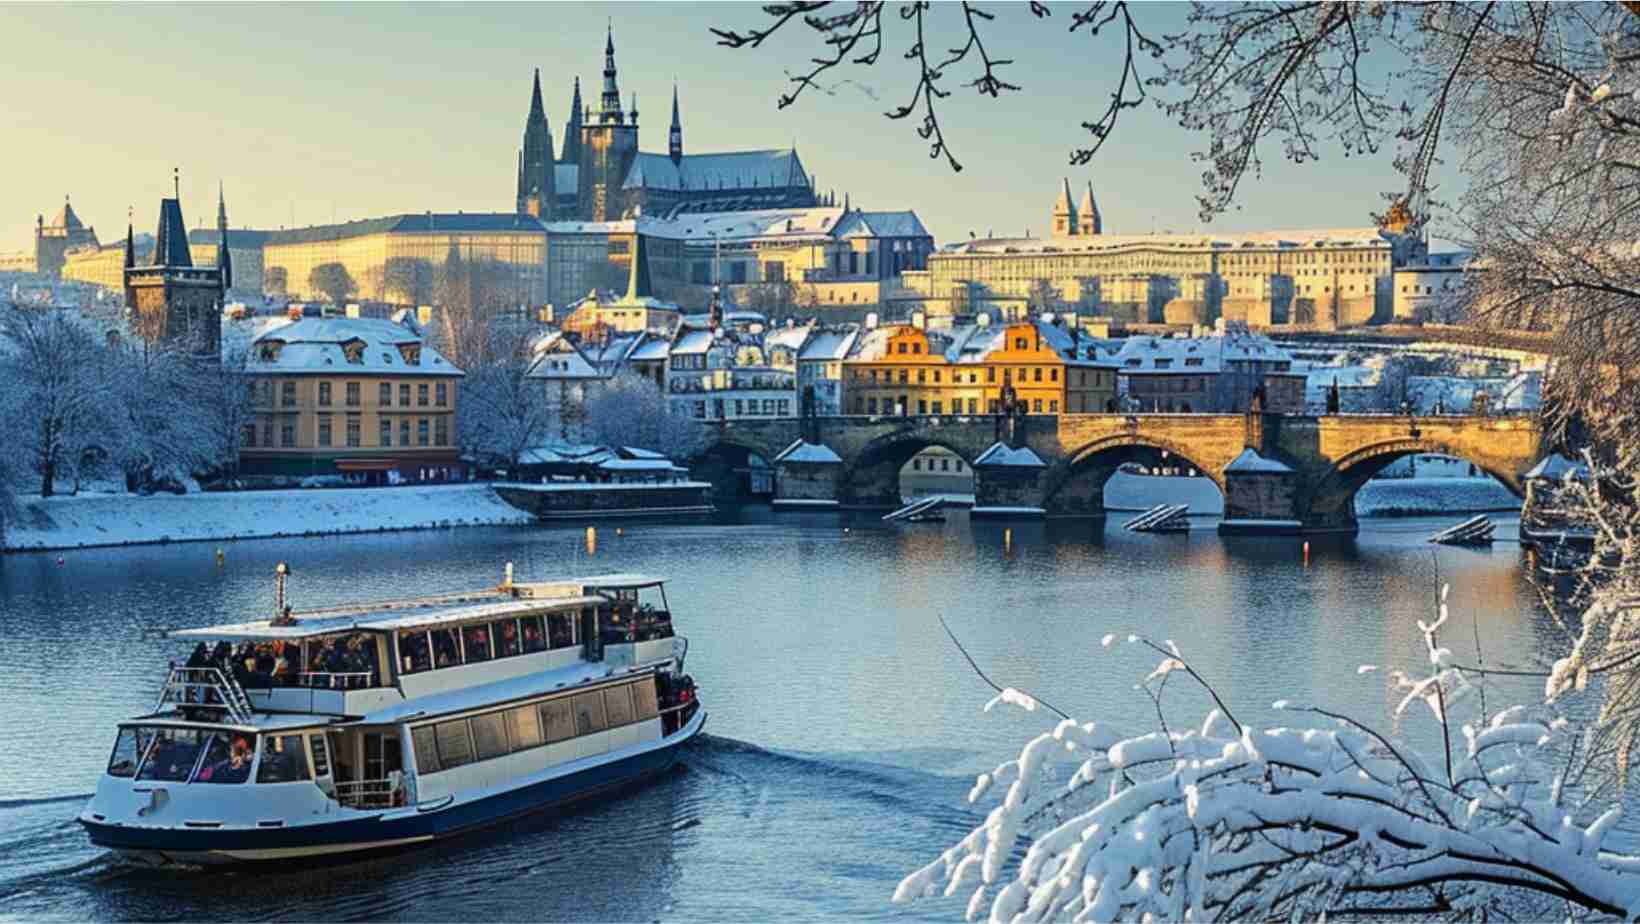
x=601 y=175
x=53 y=242
x=1324 y=278
x=171 y=299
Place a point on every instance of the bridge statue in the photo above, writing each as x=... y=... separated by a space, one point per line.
x=1278 y=473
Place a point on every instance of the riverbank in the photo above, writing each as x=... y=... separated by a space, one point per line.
x=95 y=520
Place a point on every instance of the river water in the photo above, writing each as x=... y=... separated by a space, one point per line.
x=844 y=727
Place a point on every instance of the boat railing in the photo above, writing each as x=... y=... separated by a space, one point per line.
x=371 y=794
x=334 y=680
x=205 y=686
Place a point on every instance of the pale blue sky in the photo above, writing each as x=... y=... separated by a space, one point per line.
x=320 y=112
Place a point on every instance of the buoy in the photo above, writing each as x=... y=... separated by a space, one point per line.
x=1007 y=541
x=59 y=559
x=1306 y=553
x=592 y=540
x=220 y=557
x=619 y=532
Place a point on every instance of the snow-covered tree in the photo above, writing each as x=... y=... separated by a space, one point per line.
x=219 y=395
x=503 y=411
x=630 y=410
x=1327 y=817
x=56 y=377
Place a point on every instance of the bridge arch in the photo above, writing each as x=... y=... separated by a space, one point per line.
x=871 y=478
x=1331 y=500
x=1076 y=486
x=734 y=467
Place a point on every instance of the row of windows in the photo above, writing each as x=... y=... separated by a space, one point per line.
x=944 y=466
x=429 y=649
x=455 y=743
x=262 y=392
x=901 y=406
x=1033 y=373
x=435 y=432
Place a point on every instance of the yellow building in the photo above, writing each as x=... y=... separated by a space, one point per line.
x=396 y=259
x=104 y=266
x=906 y=370
x=360 y=398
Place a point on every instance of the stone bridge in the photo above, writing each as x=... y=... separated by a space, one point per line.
x=1301 y=475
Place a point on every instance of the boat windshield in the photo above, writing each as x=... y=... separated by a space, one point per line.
x=181 y=755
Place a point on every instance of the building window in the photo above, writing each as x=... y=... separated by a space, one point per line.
x=324 y=394
x=421 y=395
x=1038 y=373
x=248 y=437
x=1053 y=376
x=922 y=376
x=324 y=429
x=404 y=395
x=287 y=432
x=902 y=348
x=740 y=411
x=386 y=435
x=700 y=410
x=352 y=394
x=1053 y=406
x=959 y=465
x=353 y=431
x=991 y=375
x=785 y=407
x=905 y=376
x=287 y=393
x=1036 y=406
x=422 y=434
x=384 y=396
x=441 y=395
x=939 y=408
x=404 y=431
x=916 y=465
x=441 y=431
x=922 y=406
x=973 y=405
x=871 y=405
x=267 y=431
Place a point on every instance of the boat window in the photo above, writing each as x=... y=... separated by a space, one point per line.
x=227 y=759
x=505 y=634
x=561 y=630
x=128 y=750
x=476 y=643
x=490 y=735
x=341 y=662
x=415 y=654
x=589 y=713
x=321 y=755
x=173 y=755
x=645 y=703
x=524 y=724
x=453 y=747
x=446 y=648
x=535 y=638
x=426 y=749
x=618 y=704
x=284 y=760
x=558 y=719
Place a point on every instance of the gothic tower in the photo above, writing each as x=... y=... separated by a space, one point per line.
x=674 y=139
x=1088 y=220
x=572 y=129
x=1064 y=215
x=609 y=144
x=224 y=259
x=535 y=163
x=171 y=300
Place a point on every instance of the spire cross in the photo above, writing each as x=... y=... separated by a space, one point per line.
x=176 y=181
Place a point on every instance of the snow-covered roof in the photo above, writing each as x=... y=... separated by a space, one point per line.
x=829 y=344
x=1251 y=461
x=1168 y=355
x=813 y=453
x=1556 y=467
x=638 y=465
x=692 y=340
x=1286 y=240
x=651 y=348
x=383 y=617
x=1001 y=454
x=727 y=170
x=791 y=338
x=636 y=453
x=323 y=345
x=882 y=224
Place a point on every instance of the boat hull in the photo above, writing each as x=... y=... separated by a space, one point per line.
x=389 y=829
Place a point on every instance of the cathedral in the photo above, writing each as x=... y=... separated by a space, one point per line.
x=600 y=175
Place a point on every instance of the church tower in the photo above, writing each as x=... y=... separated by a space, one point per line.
x=1064 y=215
x=609 y=144
x=572 y=129
x=171 y=300
x=674 y=138
x=535 y=163
x=224 y=258
x=1088 y=220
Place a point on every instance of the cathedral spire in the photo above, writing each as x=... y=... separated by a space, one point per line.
x=536 y=109
x=572 y=128
x=130 y=242
x=637 y=283
x=1064 y=214
x=674 y=141
x=1088 y=219
x=224 y=260
x=611 y=102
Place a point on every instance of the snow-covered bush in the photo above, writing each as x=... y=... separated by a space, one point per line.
x=630 y=410
x=1328 y=816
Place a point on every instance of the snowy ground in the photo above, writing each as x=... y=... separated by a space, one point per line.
x=125 y=519
x=1380 y=497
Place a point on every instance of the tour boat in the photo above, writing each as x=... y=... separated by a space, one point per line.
x=380 y=725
